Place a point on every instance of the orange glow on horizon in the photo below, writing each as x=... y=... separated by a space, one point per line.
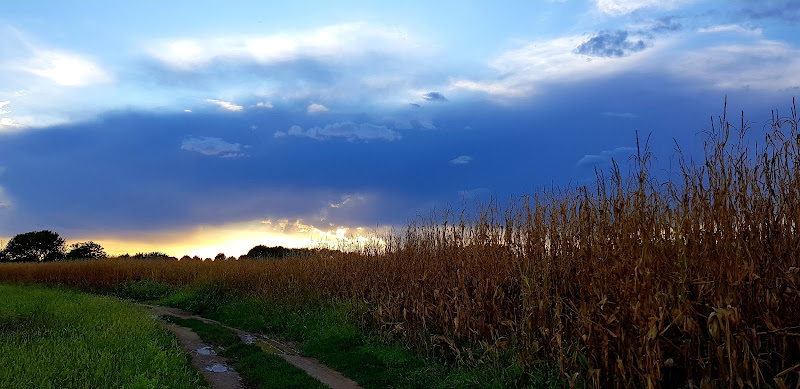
x=235 y=239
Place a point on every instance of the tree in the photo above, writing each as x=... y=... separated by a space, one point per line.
x=86 y=250
x=262 y=251
x=38 y=246
x=220 y=257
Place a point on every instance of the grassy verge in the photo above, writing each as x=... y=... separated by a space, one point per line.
x=326 y=332
x=55 y=338
x=256 y=367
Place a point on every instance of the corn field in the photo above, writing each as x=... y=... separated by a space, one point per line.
x=629 y=282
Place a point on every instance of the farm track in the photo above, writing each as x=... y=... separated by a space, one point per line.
x=204 y=361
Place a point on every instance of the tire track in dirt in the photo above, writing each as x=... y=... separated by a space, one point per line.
x=327 y=376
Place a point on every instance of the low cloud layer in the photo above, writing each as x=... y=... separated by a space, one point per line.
x=212 y=146
x=348 y=130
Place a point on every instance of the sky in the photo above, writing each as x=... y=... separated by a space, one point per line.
x=199 y=127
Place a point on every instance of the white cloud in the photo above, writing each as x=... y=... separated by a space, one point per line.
x=326 y=43
x=461 y=160
x=623 y=115
x=624 y=7
x=233 y=155
x=7 y=124
x=187 y=110
x=605 y=156
x=403 y=124
x=349 y=200
x=527 y=70
x=211 y=146
x=226 y=105
x=65 y=68
x=426 y=123
x=264 y=104
x=5 y=200
x=737 y=28
x=349 y=130
x=523 y=71
x=766 y=65
x=315 y=108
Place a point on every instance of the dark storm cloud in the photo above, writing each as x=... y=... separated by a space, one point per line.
x=611 y=43
x=126 y=171
x=434 y=96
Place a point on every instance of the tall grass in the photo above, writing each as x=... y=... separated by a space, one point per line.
x=630 y=282
x=51 y=338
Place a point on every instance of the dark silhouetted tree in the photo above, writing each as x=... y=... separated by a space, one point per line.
x=86 y=250
x=38 y=246
x=262 y=251
x=220 y=257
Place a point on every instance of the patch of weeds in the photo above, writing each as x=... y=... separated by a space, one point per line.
x=268 y=370
x=326 y=333
x=144 y=290
x=210 y=333
x=201 y=299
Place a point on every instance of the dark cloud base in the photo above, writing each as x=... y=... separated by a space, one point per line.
x=126 y=171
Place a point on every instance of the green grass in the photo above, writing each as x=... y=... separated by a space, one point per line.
x=257 y=368
x=143 y=290
x=326 y=332
x=55 y=338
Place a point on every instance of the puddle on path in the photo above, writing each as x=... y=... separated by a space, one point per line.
x=247 y=338
x=207 y=350
x=217 y=368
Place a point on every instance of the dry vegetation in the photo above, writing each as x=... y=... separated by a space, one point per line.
x=629 y=283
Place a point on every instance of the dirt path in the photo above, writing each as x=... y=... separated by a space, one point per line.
x=311 y=366
x=215 y=368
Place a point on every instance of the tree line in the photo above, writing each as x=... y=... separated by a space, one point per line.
x=46 y=246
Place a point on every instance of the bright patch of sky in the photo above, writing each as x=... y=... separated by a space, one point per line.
x=199 y=110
